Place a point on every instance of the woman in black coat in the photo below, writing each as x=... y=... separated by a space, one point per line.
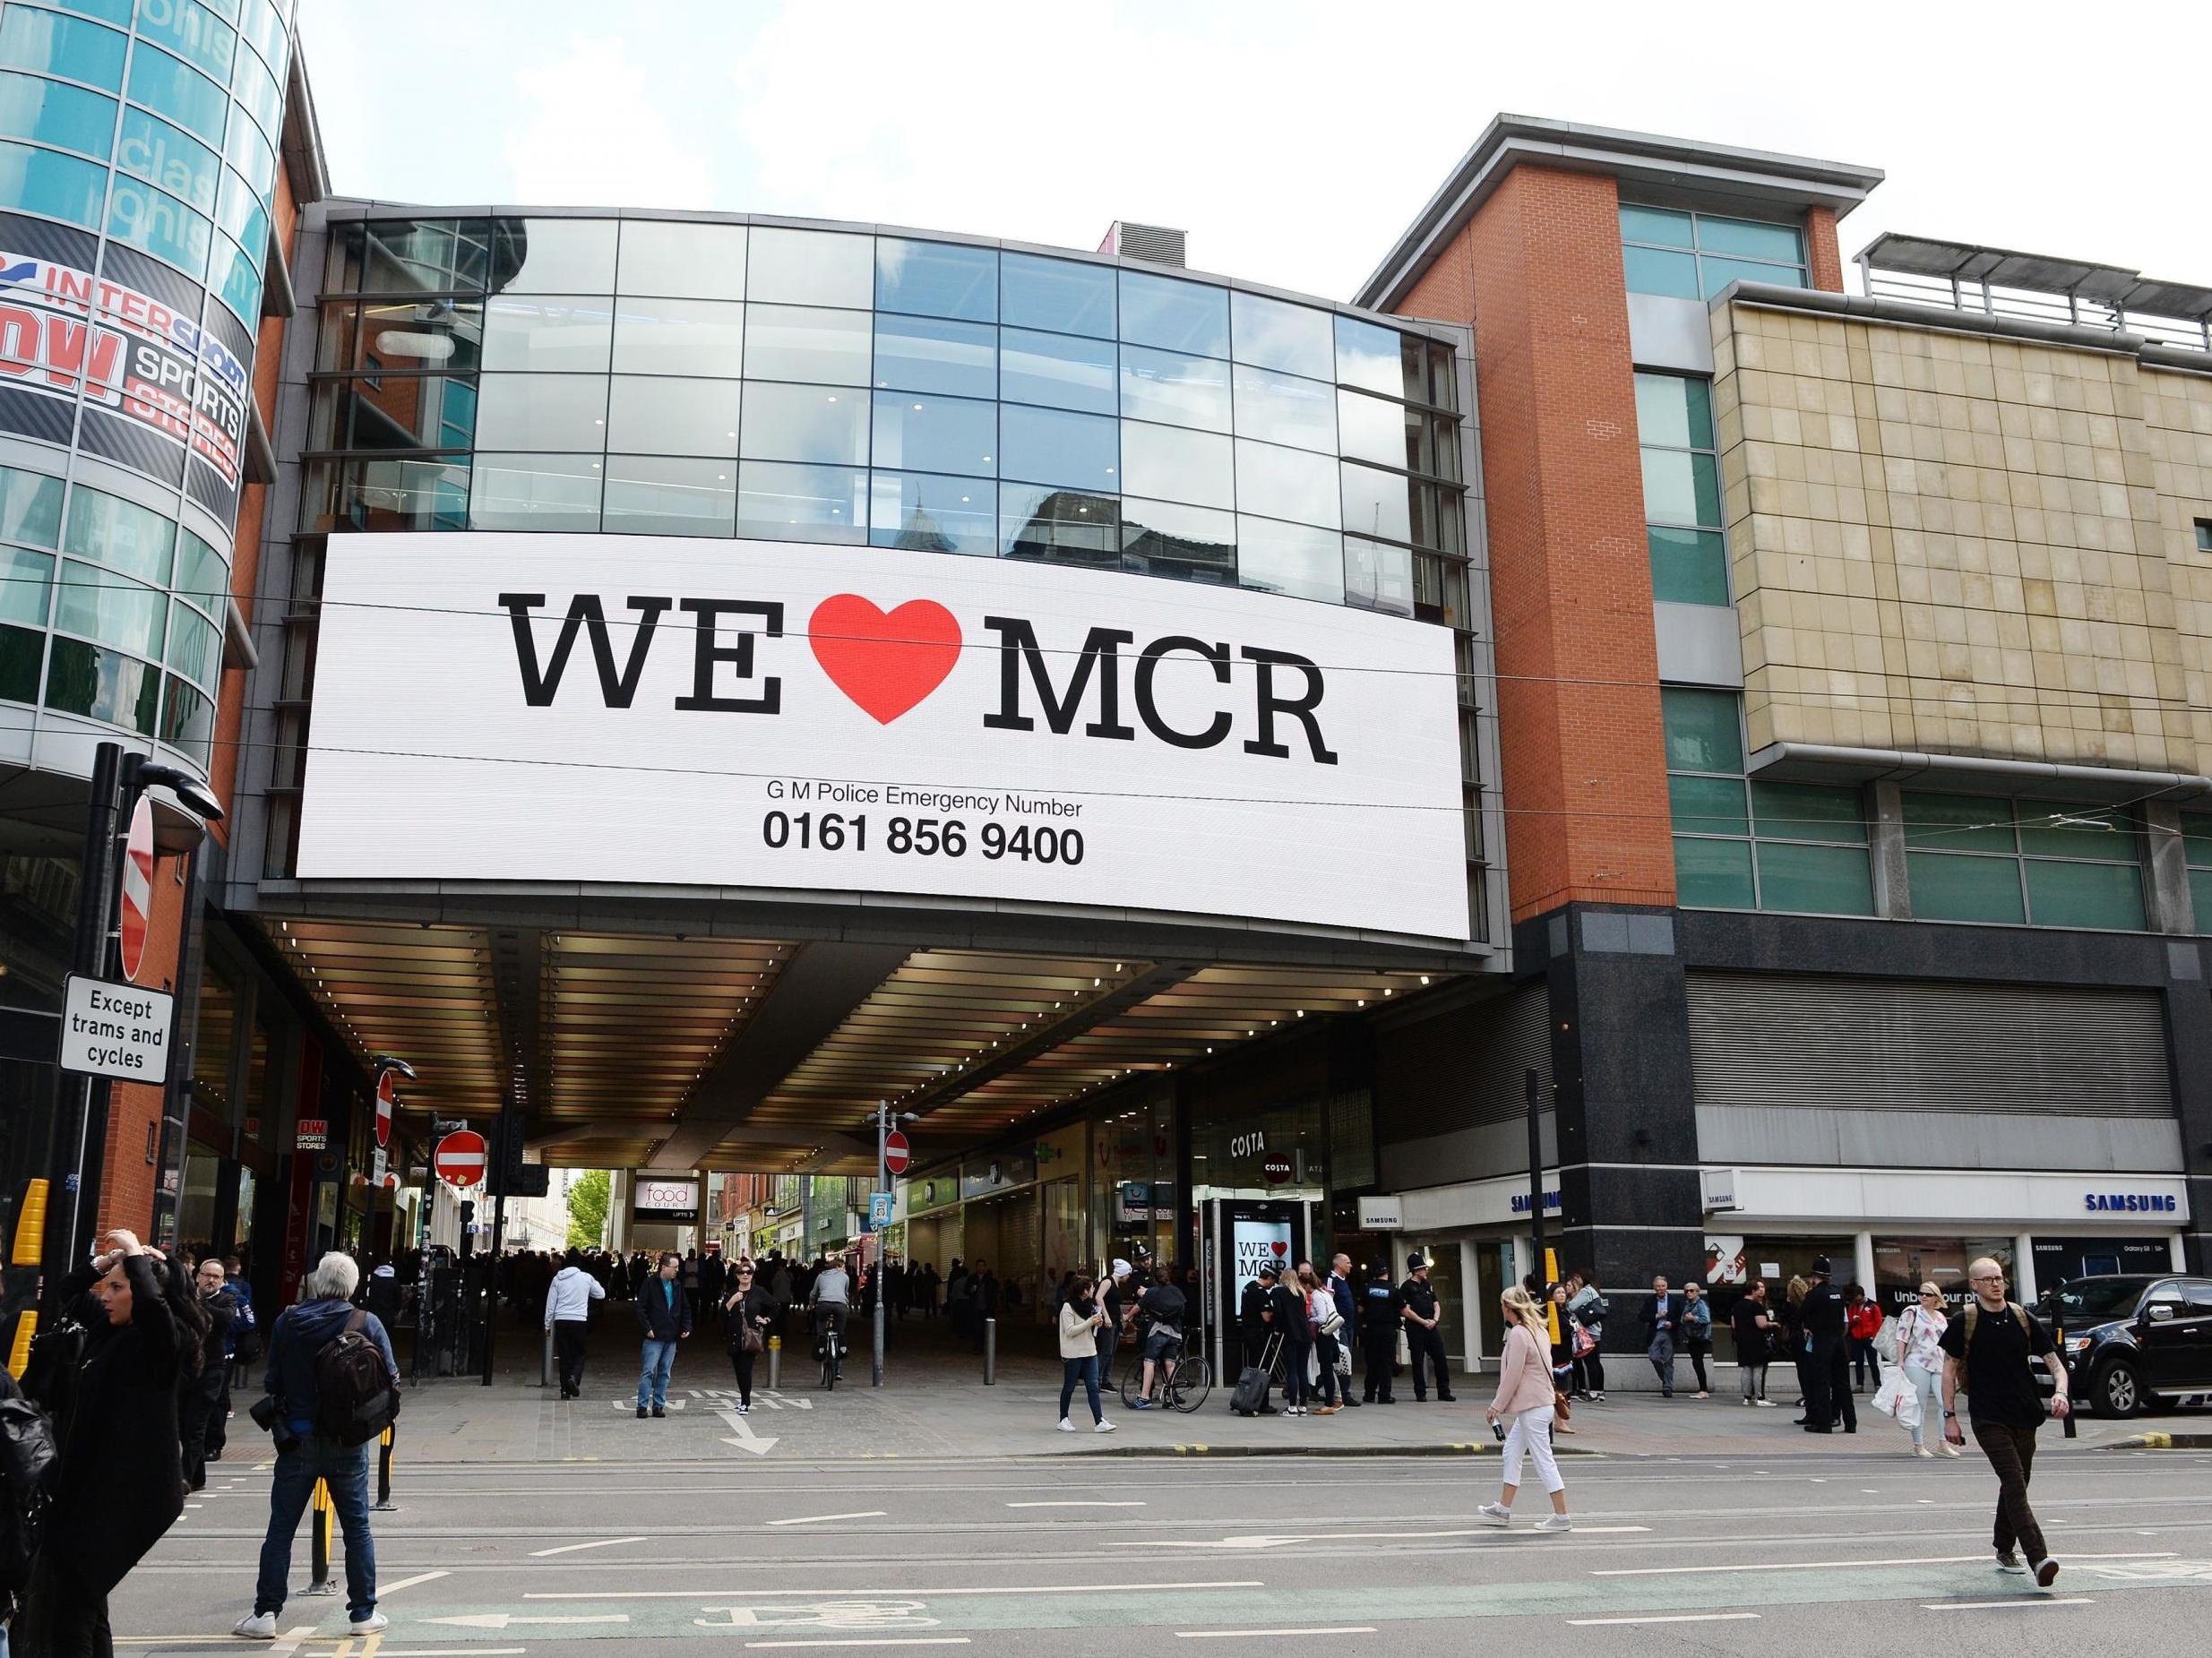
x=748 y=1307
x=121 y=1483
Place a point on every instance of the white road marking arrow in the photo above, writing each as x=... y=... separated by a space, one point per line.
x=500 y=1620
x=629 y=1404
x=778 y=1399
x=746 y=1439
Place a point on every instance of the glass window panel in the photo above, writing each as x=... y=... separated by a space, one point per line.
x=1065 y=296
x=101 y=604
x=917 y=433
x=680 y=260
x=535 y=492
x=1702 y=731
x=1957 y=822
x=2200 y=897
x=60 y=187
x=1680 y=487
x=192 y=32
x=1181 y=390
x=1057 y=369
x=395 y=412
x=2056 y=829
x=1289 y=558
x=255 y=157
x=202 y=578
x=1377 y=577
x=1370 y=429
x=542 y=411
x=1173 y=314
x=430 y=254
x=1809 y=812
x=1955 y=889
x=1379 y=503
x=926 y=353
x=1655 y=224
x=1443 y=376
x=784 y=342
x=1688 y=566
x=811 y=268
x=1442 y=444
x=49 y=43
x=432 y=333
x=1188 y=544
x=179 y=91
x=1168 y=463
x=256 y=89
x=1061 y=526
x=1675 y=410
x=262 y=25
x=168 y=155
x=1823 y=880
x=1751 y=238
x=195 y=645
x=31 y=506
x=1282 y=408
x=158 y=222
x=936 y=279
x=2086 y=895
x=26 y=579
x=66 y=116
x=553 y=256
x=776 y=502
x=118 y=11
x=1708 y=805
x=1054 y=446
x=119 y=534
x=662 y=414
x=1275 y=333
x=23 y=653
x=545 y=335
x=188 y=721
x=1713 y=874
x=240 y=213
x=700 y=336
x=2197 y=841
x=1289 y=483
x=931 y=514
x=387 y=495
x=1719 y=272
x=826 y=426
x=1368 y=356
x=102 y=684
x=1649 y=270
x=658 y=496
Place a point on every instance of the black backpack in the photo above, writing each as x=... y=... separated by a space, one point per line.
x=28 y=1460
x=355 y=1397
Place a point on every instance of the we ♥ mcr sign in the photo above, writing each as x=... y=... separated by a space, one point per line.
x=740 y=714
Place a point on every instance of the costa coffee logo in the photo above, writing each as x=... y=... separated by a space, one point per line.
x=888 y=663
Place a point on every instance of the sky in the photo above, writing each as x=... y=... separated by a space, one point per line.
x=1294 y=140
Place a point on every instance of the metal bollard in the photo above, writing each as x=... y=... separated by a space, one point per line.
x=545 y=1365
x=990 y=1353
x=383 y=1504
x=775 y=1362
x=319 y=1541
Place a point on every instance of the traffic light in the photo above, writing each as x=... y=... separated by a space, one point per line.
x=468 y=1211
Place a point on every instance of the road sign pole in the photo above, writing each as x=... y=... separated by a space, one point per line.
x=882 y=1183
x=496 y=1171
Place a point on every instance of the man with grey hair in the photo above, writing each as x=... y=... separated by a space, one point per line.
x=305 y=1453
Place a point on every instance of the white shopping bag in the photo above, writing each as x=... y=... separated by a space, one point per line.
x=1897 y=1397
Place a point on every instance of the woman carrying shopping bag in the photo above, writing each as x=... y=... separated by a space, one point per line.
x=1525 y=1403
x=1920 y=1332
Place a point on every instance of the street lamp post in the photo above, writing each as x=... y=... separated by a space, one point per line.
x=884 y=1117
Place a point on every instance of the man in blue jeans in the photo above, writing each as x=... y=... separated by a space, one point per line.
x=304 y=1456
x=665 y=1314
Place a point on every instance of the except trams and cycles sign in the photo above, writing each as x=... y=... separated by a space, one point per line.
x=756 y=713
x=117 y=1030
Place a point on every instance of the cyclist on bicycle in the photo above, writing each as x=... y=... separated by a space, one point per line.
x=1160 y=1312
x=828 y=1302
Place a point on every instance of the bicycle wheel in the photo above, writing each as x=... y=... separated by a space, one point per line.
x=1132 y=1381
x=829 y=1365
x=1194 y=1379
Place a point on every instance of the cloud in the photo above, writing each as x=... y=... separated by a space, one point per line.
x=590 y=133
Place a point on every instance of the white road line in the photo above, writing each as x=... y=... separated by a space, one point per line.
x=571 y=1548
x=1591 y=1623
x=1075 y=1505
x=383 y=1589
x=1270 y=1541
x=933 y=1593
x=451 y=1652
x=888 y=1640
x=1215 y=1635
x=816 y=1519
x=1991 y=1606
x=1830 y=1566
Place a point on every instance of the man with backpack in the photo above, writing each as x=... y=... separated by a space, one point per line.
x=333 y=1387
x=1987 y=1353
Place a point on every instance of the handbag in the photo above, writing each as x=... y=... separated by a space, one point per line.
x=1585 y=1344
x=750 y=1341
x=1897 y=1397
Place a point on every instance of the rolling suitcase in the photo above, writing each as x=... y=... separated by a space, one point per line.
x=1250 y=1396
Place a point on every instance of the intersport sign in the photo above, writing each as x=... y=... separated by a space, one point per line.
x=634 y=709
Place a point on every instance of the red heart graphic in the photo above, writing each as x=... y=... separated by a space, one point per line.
x=886 y=664
x=1281 y=1249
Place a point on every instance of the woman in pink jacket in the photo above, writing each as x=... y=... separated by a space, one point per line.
x=1524 y=1403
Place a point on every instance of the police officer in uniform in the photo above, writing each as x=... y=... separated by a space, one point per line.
x=1381 y=1318
x=1417 y=1297
x=1827 y=1356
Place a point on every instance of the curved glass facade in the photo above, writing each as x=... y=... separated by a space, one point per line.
x=139 y=145
x=691 y=377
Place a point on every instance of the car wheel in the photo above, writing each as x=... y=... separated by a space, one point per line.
x=2118 y=1392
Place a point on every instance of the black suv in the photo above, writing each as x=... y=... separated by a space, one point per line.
x=2133 y=1341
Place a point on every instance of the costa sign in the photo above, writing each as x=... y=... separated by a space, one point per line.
x=724 y=714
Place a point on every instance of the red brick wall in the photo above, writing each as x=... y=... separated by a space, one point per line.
x=1823 y=253
x=1538 y=269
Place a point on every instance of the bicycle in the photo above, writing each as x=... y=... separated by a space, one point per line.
x=1184 y=1383
x=832 y=1355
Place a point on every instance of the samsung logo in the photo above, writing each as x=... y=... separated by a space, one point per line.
x=2131 y=1202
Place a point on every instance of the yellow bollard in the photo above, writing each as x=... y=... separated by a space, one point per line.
x=383 y=1504
x=29 y=1252
x=319 y=1541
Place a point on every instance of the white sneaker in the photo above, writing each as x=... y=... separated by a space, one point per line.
x=1494 y=1514
x=1554 y=1523
x=1066 y=1426
x=256 y=1627
x=1947 y=1448
x=371 y=1625
x=1103 y=1426
x=1921 y=1450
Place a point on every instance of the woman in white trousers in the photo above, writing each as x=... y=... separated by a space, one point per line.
x=1524 y=1403
x=1920 y=1335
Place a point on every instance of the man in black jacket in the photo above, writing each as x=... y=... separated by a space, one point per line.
x=1252 y=1315
x=1827 y=1356
x=204 y=1399
x=1381 y=1315
x=665 y=1315
x=1424 y=1336
x=1662 y=1324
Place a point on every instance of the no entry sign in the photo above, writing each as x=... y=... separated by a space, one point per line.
x=383 y=1107
x=137 y=887
x=897 y=1152
x=460 y=1158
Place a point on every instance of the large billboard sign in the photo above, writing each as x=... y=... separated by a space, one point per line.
x=644 y=710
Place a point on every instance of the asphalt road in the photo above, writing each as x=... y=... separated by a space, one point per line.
x=1279 y=1554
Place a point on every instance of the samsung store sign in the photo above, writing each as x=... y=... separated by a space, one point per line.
x=620 y=709
x=2131 y=1203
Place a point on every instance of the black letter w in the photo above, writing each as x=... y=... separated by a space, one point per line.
x=538 y=688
